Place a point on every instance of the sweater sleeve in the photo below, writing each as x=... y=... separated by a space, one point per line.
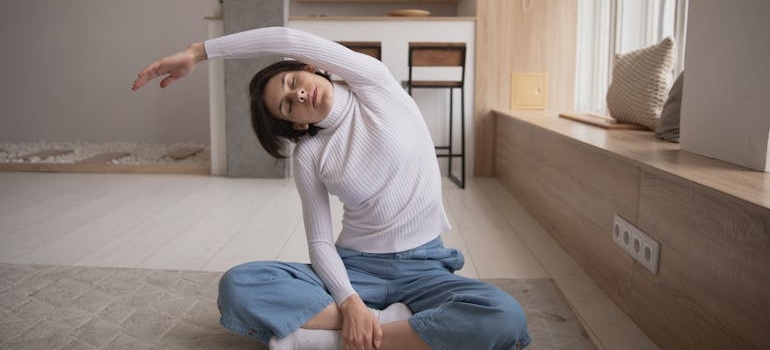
x=355 y=68
x=316 y=211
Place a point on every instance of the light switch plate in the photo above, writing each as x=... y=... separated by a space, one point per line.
x=529 y=90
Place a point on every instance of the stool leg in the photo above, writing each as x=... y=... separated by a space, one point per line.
x=451 y=122
x=462 y=136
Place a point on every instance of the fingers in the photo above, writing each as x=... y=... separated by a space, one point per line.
x=144 y=76
x=173 y=72
x=377 y=336
x=151 y=72
x=168 y=80
x=364 y=340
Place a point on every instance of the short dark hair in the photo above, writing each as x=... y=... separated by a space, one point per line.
x=269 y=128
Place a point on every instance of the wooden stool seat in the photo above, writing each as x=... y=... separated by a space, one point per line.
x=437 y=84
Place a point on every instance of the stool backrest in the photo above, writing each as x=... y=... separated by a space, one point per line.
x=436 y=54
x=371 y=48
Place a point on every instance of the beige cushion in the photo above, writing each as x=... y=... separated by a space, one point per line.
x=640 y=83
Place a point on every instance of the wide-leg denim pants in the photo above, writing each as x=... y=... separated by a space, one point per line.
x=270 y=298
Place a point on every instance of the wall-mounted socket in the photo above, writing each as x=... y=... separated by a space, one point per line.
x=636 y=243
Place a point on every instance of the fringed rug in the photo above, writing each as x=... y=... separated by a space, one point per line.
x=75 y=307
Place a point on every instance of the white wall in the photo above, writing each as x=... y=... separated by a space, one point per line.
x=726 y=94
x=67 y=67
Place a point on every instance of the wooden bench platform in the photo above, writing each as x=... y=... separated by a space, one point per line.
x=710 y=218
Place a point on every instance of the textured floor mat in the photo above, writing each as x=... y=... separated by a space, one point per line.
x=75 y=307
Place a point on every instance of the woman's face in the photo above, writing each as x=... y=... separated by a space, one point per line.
x=301 y=97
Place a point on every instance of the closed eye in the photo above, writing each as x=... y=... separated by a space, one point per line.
x=292 y=85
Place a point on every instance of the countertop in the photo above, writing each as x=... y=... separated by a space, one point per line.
x=380 y=18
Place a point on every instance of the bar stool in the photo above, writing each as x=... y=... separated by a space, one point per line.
x=371 y=48
x=438 y=54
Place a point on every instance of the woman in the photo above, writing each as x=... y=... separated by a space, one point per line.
x=367 y=144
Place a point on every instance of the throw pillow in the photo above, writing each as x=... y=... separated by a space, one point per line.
x=640 y=84
x=668 y=127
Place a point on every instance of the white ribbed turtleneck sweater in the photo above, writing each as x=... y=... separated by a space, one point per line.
x=374 y=153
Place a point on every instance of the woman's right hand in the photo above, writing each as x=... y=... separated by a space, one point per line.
x=174 y=67
x=360 y=327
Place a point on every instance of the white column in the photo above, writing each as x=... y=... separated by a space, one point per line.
x=217 y=104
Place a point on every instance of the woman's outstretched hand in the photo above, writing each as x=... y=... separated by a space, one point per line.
x=174 y=67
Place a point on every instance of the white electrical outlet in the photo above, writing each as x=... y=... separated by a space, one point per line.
x=636 y=243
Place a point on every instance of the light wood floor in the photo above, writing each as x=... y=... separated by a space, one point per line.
x=196 y=222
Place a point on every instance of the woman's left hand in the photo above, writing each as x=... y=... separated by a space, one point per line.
x=360 y=328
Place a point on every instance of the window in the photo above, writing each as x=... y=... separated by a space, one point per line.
x=607 y=27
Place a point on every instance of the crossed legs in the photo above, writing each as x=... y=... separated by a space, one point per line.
x=269 y=300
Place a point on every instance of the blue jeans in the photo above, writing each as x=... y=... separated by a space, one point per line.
x=271 y=298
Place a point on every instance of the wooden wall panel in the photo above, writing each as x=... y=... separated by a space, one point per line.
x=715 y=259
x=546 y=40
x=573 y=194
x=494 y=45
x=712 y=287
x=508 y=39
